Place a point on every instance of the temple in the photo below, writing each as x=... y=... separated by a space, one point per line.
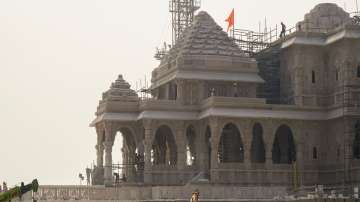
x=289 y=116
x=234 y=124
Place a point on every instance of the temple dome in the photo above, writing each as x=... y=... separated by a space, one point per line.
x=119 y=90
x=204 y=37
x=323 y=18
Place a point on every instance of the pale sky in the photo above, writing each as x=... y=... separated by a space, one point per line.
x=58 y=56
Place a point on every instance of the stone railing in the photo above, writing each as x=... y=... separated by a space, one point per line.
x=209 y=192
x=58 y=192
x=63 y=193
x=153 y=104
x=216 y=101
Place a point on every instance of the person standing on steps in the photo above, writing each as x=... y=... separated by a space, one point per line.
x=283 y=30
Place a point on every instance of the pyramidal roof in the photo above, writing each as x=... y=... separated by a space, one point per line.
x=119 y=89
x=204 y=37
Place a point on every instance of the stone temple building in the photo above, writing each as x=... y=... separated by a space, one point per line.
x=289 y=117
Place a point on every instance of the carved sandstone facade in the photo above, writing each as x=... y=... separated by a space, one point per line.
x=218 y=116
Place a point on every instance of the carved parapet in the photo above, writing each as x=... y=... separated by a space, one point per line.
x=52 y=193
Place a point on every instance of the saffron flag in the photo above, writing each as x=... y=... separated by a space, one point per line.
x=231 y=20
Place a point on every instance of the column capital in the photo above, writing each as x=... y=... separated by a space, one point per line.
x=109 y=131
x=147 y=123
x=179 y=81
x=98 y=129
x=108 y=146
x=99 y=147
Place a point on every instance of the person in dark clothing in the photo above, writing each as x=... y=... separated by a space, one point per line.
x=88 y=175
x=283 y=30
x=117 y=178
x=5 y=188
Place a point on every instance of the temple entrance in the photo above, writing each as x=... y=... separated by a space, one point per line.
x=164 y=149
x=284 y=151
x=230 y=149
x=257 y=145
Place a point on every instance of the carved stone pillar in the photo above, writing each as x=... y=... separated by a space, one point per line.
x=99 y=155
x=247 y=138
x=348 y=153
x=147 y=148
x=268 y=136
x=108 y=144
x=268 y=140
x=99 y=148
x=108 y=163
x=214 y=140
x=181 y=146
x=201 y=149
x=180 y=91
x=98 y=172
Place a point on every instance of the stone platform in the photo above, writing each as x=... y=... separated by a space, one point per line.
x=208 y=192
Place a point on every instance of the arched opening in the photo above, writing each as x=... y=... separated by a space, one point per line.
x=164 y=149
x=283 y=151
x=315 y=153
x=356 y=144
x=257 y=145
x=231 y=149
x=124 y=156
x=190 y=146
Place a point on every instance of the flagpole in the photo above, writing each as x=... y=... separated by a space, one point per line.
x=234 y=25
x=233 y=32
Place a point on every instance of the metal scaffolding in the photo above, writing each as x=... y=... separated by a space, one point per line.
x=252 y=42
x=182 y=15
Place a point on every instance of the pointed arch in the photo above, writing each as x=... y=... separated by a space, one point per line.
x=230 y=149
x=124 y=153
x=284 y=151
x=164 y=149
x=257 y=145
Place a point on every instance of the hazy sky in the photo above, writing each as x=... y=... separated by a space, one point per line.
x=58 y=56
